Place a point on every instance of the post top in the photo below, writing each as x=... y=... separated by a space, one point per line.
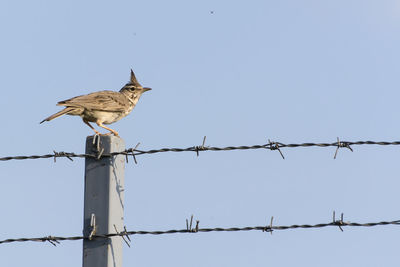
x=109 y=143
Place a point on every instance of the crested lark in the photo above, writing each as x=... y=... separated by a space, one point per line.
x=103 y=107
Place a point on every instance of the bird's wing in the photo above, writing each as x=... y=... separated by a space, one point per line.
x=104 y=100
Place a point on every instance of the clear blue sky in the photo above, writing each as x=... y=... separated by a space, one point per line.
x=289 y=71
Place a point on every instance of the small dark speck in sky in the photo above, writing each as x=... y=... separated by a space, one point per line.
x=212 y=12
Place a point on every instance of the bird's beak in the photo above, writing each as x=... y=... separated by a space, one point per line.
x=146 y=89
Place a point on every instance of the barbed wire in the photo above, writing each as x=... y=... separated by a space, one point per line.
x=269 y=146
x=189 y=229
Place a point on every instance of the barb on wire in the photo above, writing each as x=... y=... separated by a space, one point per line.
x=341 y=144
x=51 y=239
x=123 y=234
x=269 y=228
x=61 y=154
x=196 y=229
x=202 y=147
x=271 y=146
x=189 y=228
x=275 y=146
x=339 y=223
x=132 y=151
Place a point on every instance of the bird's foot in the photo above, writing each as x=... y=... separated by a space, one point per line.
x=110 y=133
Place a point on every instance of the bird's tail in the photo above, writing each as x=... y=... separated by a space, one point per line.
x=58 y=114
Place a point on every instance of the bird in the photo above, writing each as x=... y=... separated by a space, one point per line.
x=103 y=107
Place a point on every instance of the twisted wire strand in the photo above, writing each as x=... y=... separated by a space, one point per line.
x=55 y=239
x=270 y=146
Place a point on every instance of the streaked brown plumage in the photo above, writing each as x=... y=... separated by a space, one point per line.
x=104 y=107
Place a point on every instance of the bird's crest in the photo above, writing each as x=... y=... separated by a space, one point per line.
x=133 y=79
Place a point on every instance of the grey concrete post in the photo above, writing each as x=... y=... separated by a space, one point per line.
x=104 y=202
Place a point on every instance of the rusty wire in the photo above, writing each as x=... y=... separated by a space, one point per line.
x=268 y=228
x=270 y=146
